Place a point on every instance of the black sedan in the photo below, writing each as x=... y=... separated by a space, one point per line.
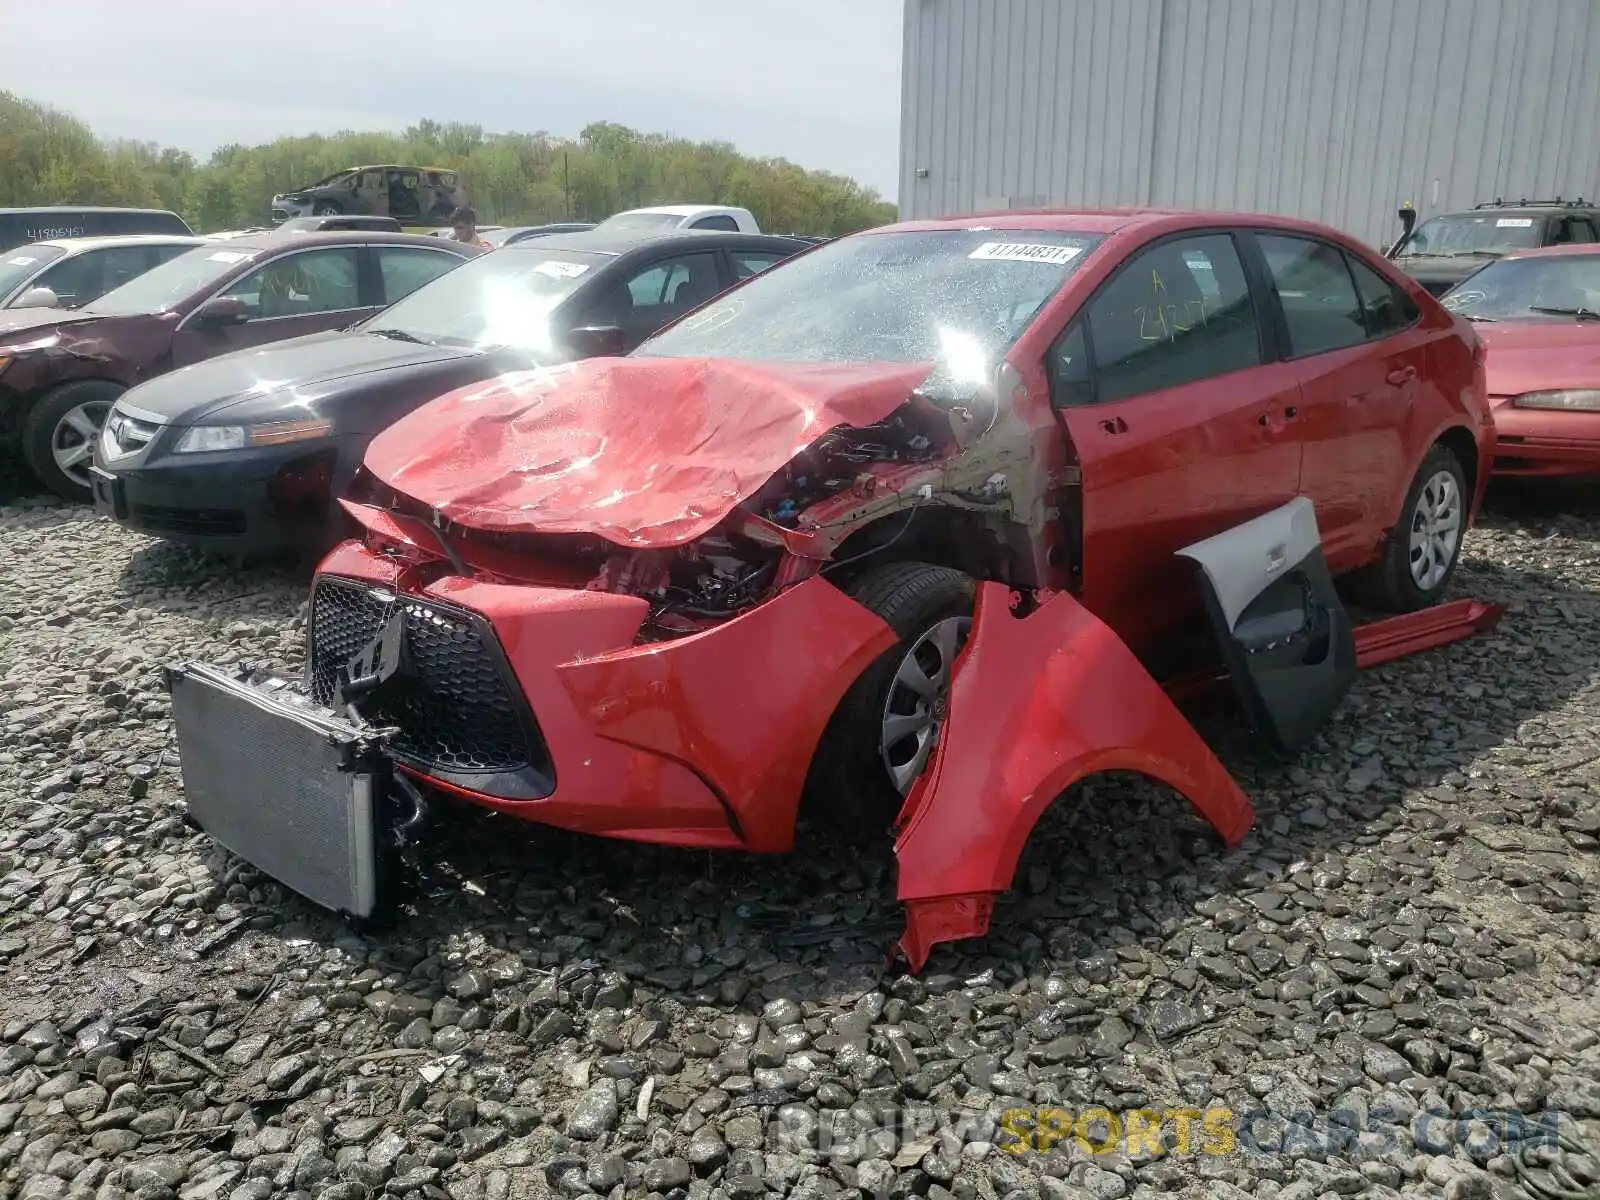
x=247 y=453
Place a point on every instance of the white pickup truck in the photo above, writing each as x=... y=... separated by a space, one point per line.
x=666 y=217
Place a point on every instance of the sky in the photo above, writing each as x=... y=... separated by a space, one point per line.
x=816 y=82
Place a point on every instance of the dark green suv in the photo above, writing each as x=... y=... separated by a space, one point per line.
x=1443 y=250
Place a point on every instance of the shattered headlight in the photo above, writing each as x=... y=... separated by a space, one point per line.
x=1571 y=400
x=204 y=438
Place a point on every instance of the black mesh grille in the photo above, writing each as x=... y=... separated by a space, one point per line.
x=214 y=522
x=455 y=707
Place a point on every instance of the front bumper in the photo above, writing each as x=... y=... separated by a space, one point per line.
x=254 y=501
x=1535 y=443
x=536 y=701
x=283 y=209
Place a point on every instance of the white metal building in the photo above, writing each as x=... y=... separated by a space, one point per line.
x=1336 y=110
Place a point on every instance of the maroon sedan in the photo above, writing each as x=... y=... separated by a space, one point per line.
x=60 y=371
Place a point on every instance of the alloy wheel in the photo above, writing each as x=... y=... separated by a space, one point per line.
x=1435 y=530
x=72 y=440
x=914 y=709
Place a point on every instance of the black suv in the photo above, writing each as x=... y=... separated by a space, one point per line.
x=1444 y=250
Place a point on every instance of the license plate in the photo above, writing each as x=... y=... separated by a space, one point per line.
x=295 y=790
x=109 y=495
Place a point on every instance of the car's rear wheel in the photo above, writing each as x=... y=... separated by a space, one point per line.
x=883 y=733
x=59 y=433
x=1423 y=549
x=325 y=208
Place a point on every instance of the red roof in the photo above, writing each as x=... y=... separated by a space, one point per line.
x=1573 y=248
x=1102 y=220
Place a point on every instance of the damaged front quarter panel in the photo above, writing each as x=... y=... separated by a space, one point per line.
x=742 y=705
x=1037 y=703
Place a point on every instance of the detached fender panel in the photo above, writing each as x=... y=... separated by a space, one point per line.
x=1287 y=640
x=1036 y=704
x=742 y=705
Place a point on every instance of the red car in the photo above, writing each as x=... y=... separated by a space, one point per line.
x=912 y=523
x=1538 y=311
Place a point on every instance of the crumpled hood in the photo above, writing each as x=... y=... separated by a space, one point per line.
x=1538 y=356
x=644 y=452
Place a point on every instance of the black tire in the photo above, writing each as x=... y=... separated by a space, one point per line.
x=1390 y=584
x=40 y=425
x=326 y=208
x=849 y=785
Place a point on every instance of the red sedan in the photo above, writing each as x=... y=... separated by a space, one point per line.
x=912 y=524
x=1539 y=313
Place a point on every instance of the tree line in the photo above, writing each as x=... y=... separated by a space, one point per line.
x=51 y=157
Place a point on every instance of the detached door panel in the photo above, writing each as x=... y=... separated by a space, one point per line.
x=1180 y=429
x=1288 y=641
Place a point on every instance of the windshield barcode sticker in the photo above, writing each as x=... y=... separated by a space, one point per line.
x=1026 y=252
x=561 y=270
x=227 y=256
x=1513 y=223
x=20 y=262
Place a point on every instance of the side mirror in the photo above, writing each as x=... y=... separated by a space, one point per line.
x=38 y=297
x=1408 y=222
x=223 y=310
x=598 y=341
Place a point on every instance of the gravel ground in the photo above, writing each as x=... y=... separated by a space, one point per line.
x=1409 y=935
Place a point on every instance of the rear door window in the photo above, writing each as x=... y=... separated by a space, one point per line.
x=676 y=283
x=720 y=221
x=655 y=294
x=1387 y=308
x=752 y=262
x=406 y=268
x=1316 y=292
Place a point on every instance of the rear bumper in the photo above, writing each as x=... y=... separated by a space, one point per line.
x=1550 y=444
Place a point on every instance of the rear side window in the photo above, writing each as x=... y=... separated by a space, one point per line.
x=1573 y=230
x=1316 y=292
x=752 y=262
x=1387 y=308
x=1177 y=313
x=720 y=221
x=161 y=254
x=405 y=269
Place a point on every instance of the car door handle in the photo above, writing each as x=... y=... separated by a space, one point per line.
x=1402 y=375
x=1114 y=425
x=1289 y=412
